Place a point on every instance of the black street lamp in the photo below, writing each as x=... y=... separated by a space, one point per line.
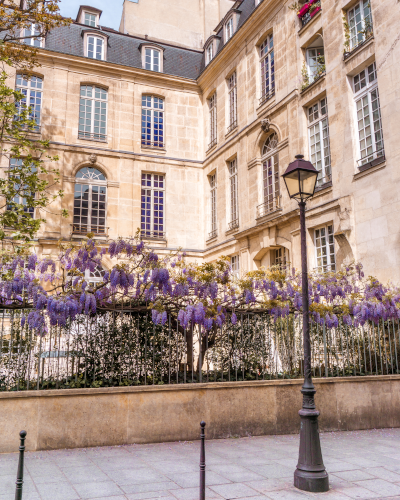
x=310 y=474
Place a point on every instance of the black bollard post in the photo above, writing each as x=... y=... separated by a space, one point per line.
x=202 y=463
x=20 y=473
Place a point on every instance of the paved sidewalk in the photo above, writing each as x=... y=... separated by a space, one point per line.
x=362 y=464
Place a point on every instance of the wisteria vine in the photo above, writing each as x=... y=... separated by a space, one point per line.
x=56 y=291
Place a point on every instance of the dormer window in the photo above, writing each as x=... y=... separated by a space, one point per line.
x=209 y=53
x=229 y=29
x=152 y=57
x=95 y=47
x=90 y=19
x=31 y=35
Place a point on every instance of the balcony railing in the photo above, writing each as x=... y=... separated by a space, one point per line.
x=323 y=181
x=84 y=229
x=233 y=224
x=232 y=126
x=368 y=34
x=152 y=235
x=266 y=96
x=156 y=144
x=91 y=136
x=269 y=206
x=371 y=159
x=212 y=143
x=308 y=11
x=212 y=234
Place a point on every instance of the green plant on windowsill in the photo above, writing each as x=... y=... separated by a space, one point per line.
x=346 y=28
x=313 y=7
x=320 y=69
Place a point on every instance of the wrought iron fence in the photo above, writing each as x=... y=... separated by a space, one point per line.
x=123 y=349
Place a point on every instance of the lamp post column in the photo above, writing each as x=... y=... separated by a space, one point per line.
x=310 y=474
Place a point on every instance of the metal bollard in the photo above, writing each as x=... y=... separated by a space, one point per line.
x=202 y=463
x=20 y=473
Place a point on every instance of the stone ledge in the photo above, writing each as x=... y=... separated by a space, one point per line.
x=190 y=386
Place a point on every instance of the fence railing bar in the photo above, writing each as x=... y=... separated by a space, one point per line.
x=395 y=346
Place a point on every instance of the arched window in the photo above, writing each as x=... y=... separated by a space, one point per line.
x=95 y=276
x=93 y=113
x=267 y=65
x=270 y=177
x=90 y=202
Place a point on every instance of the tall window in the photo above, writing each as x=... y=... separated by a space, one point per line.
x=369 y=122
x=152 y=206
x=152 y=59
x=30 y=33
x=318 y=135
x=270 y=176
x=95 y=47
x=232 y=89
x=32 y=89
x=229 y=29
x=209 y=53
x=90 y=202
x=325 y=248
x=21 y=191
x=93 y=113
x=90 y=19
x=267 y=69
x=233 y=183
x=213 y=205
x=212 y=103
x=360 y=22
x=152 y=121
x=278 y=258
x=235 y=265
x=315 y=63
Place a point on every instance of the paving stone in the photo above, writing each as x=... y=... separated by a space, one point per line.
x=384 y=473
x=357 y=492
x=267 y=485
x=57 y=491
x=380 y=486
x=97 y=489
x=234 y=491
x=193 y=494
x=192 y=479
x=354 y=475
x=76 y=475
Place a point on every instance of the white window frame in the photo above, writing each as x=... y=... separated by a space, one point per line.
x=229 y=30
x=279 y=258
x=157 y=119
x=92 y=135
x=87 y=13
x=270 y=185
x=32 y=88
x=212 y=104
x=318 y=140
x=93 y=179
x=34 y=42
x=232 y=96
x=149 y=60
x=312 y=55
x=152 y=225
x=235 y=265
x=18 y=198
x=324 y=243
x=209 y=52
x=357 y=22
x=233 y=195
x=213 y=205
x=267 y=68
x=365 y=87
x=96 y=38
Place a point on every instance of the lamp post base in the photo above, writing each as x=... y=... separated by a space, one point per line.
x=310 y=474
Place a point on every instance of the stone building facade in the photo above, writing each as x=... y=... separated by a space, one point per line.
x=184 y=127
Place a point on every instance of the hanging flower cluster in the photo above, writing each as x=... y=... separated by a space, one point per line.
x=58 y=290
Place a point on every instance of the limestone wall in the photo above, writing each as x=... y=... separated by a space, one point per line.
x=78 y=418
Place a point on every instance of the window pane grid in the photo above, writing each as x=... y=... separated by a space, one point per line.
x=213 y=205
x=90 y=202
x=233 y=181
x=212 y=102
x=267 y=69
x=93 y=113
x=271 y=192
x=152 y=59
x=318 y=134
x=20 y=198
x=235 y=265
x=95 y=46
x=152 y=121
x=152 y=206
x=32 y=90
x=325 y=249
x=232 y=88
x=33 y=30
x=360 y=23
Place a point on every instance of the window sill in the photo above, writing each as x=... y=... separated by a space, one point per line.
x=152 y=148
x=231 y=131
x=211 y=148
x=326 y=185
x=232 y=231
x=313 y=84
x=312 y=21
x=103 y=237
x=370 y=168
x=347 y=56
x=104 y=141
x=270 y=215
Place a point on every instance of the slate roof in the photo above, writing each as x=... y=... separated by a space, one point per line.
x=124 y=49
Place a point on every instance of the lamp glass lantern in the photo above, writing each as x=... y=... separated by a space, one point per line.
x=300 y=179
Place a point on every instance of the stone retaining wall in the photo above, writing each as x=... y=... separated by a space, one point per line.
x=79 y=418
